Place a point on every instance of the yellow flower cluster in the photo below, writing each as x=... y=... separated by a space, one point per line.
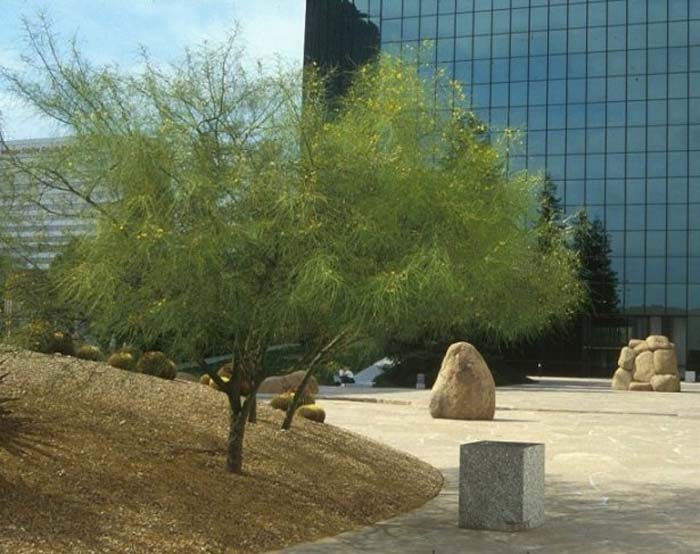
x=156 y=306
x=157 y=234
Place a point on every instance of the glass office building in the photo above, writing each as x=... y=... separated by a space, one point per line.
x=608 y=93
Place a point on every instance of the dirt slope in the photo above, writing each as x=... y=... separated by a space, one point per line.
x=95 y=459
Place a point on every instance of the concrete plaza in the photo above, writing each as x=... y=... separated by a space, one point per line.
x=622 y=468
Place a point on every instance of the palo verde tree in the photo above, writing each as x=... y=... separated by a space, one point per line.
x=227 y=214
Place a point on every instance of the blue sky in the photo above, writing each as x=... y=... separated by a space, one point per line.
x=110 y=31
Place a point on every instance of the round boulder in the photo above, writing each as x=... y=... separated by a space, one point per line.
x=626 y=360
x=656 y=342
x=283 y=383
x=635 y=342
x=640 y=347
x=640 y=387
x=273 y=385
x=644 y=367
x=621 y=379
x=665 y=362
x=666 y=383
x=464 y=388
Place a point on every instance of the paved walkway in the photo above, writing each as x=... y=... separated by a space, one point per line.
x=623 y=469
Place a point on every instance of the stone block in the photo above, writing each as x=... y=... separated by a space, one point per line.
x=644 y=367
x=666 y=383
x=501 y=486
x=626 y=359
x=641 y=347
x=621 y=379
x=640 y=387
x=656 y=342
x=665 y=362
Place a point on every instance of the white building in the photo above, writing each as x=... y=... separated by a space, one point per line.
x=36 y=220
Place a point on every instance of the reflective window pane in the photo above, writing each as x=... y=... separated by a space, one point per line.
x=607 y=95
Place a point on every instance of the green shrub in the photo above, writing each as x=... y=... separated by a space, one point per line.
x=281 y=402
x=34 y=336
x=122 y=360
x=312 y=412
x=157 y=364
x=89 y=352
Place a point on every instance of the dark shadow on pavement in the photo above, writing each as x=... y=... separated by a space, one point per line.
x=643 y=519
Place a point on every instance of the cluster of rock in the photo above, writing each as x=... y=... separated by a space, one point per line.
x=283 y=383
x=277 y=384
x=648 y=365
x=464 y=388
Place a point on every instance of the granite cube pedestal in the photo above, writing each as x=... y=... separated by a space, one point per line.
x=501 y=486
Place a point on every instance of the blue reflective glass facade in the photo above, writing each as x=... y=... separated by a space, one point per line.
x=608 y=94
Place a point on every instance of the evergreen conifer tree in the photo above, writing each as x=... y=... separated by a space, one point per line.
x=592 y=244
x=549 y=226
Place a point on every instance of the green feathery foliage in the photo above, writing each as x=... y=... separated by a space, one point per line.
x=228 y=215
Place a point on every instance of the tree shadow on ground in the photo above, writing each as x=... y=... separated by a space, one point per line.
x=25 y=439
x=31 y=508
x=642 y=518
x=561 y=389
x=18 y=433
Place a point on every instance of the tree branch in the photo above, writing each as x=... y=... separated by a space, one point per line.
x=291 y=409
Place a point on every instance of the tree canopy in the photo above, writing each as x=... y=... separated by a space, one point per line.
x=232 y=211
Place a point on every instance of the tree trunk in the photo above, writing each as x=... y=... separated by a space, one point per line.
x=291 y=409
x=253 y=418
x=234 y=454
x=232 y=389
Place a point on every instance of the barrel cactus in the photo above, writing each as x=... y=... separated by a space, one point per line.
x=157 y=364
x=226 y=374
x=60 y=342
x=312 y=412
x=282 y=401
x=213 y=384
x=122 y=360
x=89 y=352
